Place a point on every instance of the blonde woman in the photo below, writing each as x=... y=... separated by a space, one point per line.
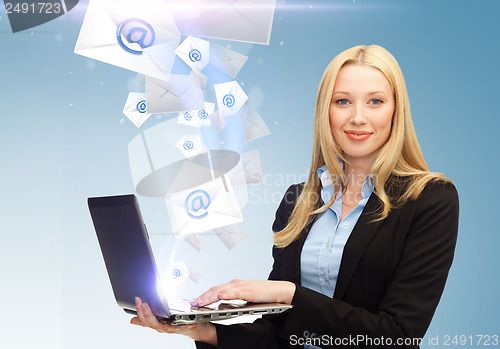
x=363 y=248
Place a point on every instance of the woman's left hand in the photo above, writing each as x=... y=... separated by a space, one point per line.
x=250 y=291
x=203 y=332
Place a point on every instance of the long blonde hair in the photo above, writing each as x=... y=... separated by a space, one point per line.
x=400 y=155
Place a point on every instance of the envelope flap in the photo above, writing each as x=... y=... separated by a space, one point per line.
x=178 y=85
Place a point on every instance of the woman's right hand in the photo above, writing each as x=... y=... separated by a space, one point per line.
x=202 y=332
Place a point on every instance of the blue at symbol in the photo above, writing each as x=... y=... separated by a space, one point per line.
x=176 y=273
x=188 y=116
x=228 y=100
x=202 y=114
x=195 y=55
x=142 y=31
x=188 y=145
x=141 y=107
x=200 y=201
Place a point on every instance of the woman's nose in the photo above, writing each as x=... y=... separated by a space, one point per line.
x=357 y=116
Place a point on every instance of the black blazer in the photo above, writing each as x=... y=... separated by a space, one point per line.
x=391 y=278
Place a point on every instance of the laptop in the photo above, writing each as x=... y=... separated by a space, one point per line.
x=132 y=269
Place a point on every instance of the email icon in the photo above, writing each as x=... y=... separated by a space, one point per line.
x=129 y=34
x=231 y=235
x=230 y=97
x=136 y=108
x=201 y=208
x=190 y=145
x=252 y=123
x=194 y=52
x=178 y=93
x=238 y=20
x=229 y=61
x=179 y=273
x=248 y=170
x=197 y=118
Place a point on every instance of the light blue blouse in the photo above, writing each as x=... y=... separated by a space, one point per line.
x=322 y=252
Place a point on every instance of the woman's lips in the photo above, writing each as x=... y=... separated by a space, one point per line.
x=358 y=135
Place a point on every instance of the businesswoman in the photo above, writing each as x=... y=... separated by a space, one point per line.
x=362 y=249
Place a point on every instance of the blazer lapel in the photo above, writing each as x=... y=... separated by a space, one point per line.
x=358 y=241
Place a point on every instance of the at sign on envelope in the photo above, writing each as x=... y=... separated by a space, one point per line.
x=136 y=108
x=178 y=93
x=238 y=20
x=230 y=97
x=194 y=52
x=203 y=207
x=138 y=36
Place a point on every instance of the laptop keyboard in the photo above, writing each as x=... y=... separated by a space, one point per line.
x=179 y=305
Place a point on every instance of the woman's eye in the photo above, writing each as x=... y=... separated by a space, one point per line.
x=342 y=101
x=375 y=101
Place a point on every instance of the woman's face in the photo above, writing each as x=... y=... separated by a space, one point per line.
x=361 y=111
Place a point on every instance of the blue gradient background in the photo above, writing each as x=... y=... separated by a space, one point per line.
x=62 y=139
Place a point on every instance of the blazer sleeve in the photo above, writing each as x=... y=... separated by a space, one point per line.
x=264 y=332
x=412 y=295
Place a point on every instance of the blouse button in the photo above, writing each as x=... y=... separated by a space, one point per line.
x=346 y=223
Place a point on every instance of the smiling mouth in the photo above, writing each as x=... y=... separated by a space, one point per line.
x=358 y=135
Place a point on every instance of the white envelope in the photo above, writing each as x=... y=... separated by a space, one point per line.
x=178 y=273
x=229 y=61
x=104 y=35
x=231 y=235
x=230 y=97
x=194 y=275
x=204 y=207
x=196 y=118
x=195 y=241
x=202 y=78
x=178 y=93
x=190 y=145
x=248 y=170
x=252 y=123
x=217 y=120
x=238 y=20
x=194 y=52
x=136 y=108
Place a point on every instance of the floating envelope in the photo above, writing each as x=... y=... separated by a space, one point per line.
x=178 y=93
x=194 y=275
x=136 y=108
x=252 y=123
x=195 y=241
x=138 y=84
x=190 y=145
x=231 y=235
x=179 y=273
x=229 y=61
x=238 y=20
x=230 y=97
x=248 y=171
x=202 y=78
x=195 y=52
x=197 y=118
x=130 y=35
x=204 y=207
x=217 y=120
